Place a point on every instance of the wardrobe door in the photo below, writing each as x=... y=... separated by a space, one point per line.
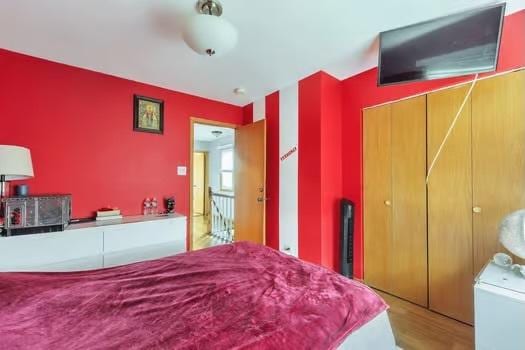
x=377 y=163
x=408 y=249
x=450 y=265
x=498 y=135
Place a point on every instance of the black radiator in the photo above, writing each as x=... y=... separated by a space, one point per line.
x=347 y=238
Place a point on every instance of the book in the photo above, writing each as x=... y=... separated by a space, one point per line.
x=103 y=213
x=112 y=217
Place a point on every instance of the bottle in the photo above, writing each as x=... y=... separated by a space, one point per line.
x=147 y=206
x=154 y=206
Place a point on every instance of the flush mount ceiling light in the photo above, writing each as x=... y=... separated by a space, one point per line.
x=216 y=133
x=207 y=33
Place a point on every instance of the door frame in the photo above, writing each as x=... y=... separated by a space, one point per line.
x=193 y=121
x=206 y=180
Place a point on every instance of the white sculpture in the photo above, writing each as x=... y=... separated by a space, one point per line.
x=512 y=233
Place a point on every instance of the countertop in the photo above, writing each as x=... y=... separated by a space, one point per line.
x=124 y=220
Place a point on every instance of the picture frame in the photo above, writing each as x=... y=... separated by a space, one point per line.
x=148 y=114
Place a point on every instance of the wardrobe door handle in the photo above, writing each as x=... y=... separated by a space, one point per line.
x=476 y=210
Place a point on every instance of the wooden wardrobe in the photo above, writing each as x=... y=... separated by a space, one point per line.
x=395 y=199
x=426 y=242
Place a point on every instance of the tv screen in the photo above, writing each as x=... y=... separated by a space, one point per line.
x=460 y=44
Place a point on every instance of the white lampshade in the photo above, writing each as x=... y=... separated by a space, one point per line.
x=210 y=35
x=512 y=233
x=15 y=162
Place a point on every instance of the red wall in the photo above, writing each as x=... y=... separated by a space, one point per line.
x=79 y=127
x=331 y=169
x=272 y=170
x=361 y=91
x=320 y=170
x=309 y=169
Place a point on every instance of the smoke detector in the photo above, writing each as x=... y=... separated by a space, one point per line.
x=239 y=91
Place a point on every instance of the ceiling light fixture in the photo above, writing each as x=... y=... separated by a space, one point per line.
x=207 y=33
x=216 y=133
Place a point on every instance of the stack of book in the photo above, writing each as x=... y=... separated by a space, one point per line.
x=108 y=214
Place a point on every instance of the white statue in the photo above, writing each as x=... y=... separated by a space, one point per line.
x=512 y=233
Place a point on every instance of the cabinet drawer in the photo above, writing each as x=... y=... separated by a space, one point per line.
x=142 y=234
x=23 y=252
x=134 y=255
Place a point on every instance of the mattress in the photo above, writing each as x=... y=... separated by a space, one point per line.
x=376 y=334
x=233 y=296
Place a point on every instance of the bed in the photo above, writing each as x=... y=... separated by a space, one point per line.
x=236 y=296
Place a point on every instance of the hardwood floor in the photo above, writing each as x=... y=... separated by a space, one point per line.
x=201 y=238
x=416 y=328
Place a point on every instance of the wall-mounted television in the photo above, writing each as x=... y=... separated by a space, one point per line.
x=459 y=44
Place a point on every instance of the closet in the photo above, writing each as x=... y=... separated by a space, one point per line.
x=450 y=264
x=395 y=197
x=446 y=230
x=498 y=163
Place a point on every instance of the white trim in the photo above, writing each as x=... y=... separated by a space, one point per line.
x=288 y=170
x=259 y=110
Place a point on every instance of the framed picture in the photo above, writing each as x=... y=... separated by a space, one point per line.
x=148 y=115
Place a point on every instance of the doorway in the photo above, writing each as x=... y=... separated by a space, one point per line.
x=227 y=179
x=213 y=197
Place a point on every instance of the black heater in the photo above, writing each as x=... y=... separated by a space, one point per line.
x=347 y=238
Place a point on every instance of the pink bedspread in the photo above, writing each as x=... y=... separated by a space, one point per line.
x=239 y=296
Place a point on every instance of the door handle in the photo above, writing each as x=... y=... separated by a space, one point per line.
x=476 y=210
x=261 y=199
x=388 y=203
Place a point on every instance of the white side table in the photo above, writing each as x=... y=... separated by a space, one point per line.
x=499 y=309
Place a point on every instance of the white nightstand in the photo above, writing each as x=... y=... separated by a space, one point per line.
x=499 y=308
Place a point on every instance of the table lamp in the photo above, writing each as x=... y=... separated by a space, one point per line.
x=15 y=164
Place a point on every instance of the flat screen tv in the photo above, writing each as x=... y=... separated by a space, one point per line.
x=459 y=44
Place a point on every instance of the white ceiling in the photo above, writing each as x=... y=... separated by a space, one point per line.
x=280 y=41
x=202 y=132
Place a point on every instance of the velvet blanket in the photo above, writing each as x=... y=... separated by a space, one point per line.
x=238 y=296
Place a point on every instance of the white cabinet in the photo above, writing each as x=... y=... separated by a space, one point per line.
x=24 y=253
x=92 y=262
x=150 y=252
x=499 y=309
x=95 y=245
x=139 y=234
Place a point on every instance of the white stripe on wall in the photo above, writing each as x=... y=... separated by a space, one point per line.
x=288 y=169
x=259 y=110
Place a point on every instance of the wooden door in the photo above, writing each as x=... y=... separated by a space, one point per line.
x=498 y=150
x=394 y=169
x=409 y=207
x=249 y=179
x=199 y=186
x=450 y=264
x=377 y=211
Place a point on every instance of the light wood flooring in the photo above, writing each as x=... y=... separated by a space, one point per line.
x=201 y=238
x=416 y=328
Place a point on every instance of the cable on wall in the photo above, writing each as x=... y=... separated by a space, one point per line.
x=451 y=127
